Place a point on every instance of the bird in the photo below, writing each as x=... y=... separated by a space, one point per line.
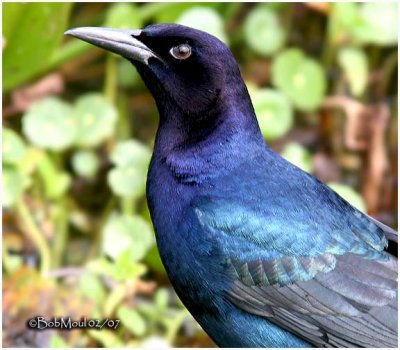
x=260 y=252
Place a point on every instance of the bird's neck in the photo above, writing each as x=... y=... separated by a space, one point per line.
x=218 y=142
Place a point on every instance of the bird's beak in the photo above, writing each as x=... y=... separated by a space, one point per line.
x=119 y=41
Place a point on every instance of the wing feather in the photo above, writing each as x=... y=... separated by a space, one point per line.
x=333 y=284
x=333 y=308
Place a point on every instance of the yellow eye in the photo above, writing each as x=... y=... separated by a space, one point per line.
x=181 y=52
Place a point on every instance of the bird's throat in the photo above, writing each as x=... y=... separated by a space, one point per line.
x=197 y=152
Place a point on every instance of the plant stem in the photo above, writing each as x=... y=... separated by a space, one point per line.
x=33 y=233
x=61 y=236
x=110 y=84
x=123 y=126
x=388 y=68
x=174 y=326
x=97 y=237
x=128 y=206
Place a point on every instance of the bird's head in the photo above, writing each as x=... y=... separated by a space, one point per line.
x=181 y=66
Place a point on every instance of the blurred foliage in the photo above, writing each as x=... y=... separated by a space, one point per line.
x=76 y=144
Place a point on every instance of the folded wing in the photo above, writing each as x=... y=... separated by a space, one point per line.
x=334 y=287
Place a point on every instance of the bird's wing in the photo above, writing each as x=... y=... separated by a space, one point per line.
x=388 y=231
x=333 y=287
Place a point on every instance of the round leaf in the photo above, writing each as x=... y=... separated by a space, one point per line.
x=263 y=31
x=354 y=63
x=195 y=18
x=131 y=153
x=49 y=124
x=344 y=17
x=366 y=23
x=298 y=155
x=349 y=195
x=95 y=118
x=13 y=185
x=85 y=163
x=127 y=181
x=14 y=148
x=274 y=113
x=381 y=23
x=302 y=79
x=127 y=232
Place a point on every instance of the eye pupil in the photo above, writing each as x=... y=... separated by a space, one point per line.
x=183 y=49
x=181 y=52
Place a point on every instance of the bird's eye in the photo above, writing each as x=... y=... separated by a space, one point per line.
x=181 y=52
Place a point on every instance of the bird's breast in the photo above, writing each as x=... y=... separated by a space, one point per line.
x=189 y=256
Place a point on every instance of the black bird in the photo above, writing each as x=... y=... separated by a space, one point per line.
x=260 y=252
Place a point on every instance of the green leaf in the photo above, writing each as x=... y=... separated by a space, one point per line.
x=381 y=23
x=263 y=31
x=344 y=16
x=14 y=148
x=132 y=320
x=277 y=6
x=13 y=186
x=131 y=153
x=354 y=63
x=195 y=18
x=32 y=32
x=49 y=124
x=92 y=288
x=127 y=181
x=85 y=163
x=366 y=23
x=161 y=299
x=95 y=119
x=123 y=15
x=14 y=263
x=102 y=266
x=274 y=112
x=170 y=12
x=11 y=14
x=349 y=195
x=127 y=268
x=301 y=78
x=115 y=298
x=123 y=233
x=298 y=155
x=56 y=182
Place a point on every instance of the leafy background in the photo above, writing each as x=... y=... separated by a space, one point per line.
x=78 y=130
